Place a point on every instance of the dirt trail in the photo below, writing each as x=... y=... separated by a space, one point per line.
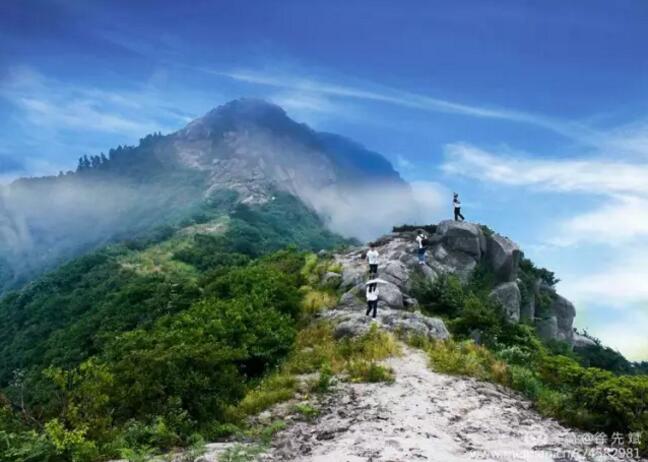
x=426 y=416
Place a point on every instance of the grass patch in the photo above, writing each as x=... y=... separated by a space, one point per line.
x=315 y=300
x=467 y=358
x=276 y=388
x=361 y=370
x=307 y=411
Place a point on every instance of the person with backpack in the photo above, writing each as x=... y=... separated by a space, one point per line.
x=372 y=257
x=457 y=208
x=421 y=242
x=372 y=298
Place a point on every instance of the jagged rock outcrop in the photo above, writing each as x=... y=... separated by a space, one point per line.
x=454 y=248
x=503 y=256
x=547 y=328
x=565 y=314
x=507 y=294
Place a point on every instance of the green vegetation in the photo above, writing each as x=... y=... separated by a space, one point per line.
x=550 y=374
x=161 y=341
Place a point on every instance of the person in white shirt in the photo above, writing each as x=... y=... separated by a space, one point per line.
x=372 y=298
x=372 y=257
x=420 y=241
x=457 y=208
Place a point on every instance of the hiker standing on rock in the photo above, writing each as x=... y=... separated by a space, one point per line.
x=457 y=208
x=372 y=257
x=372 y=298
x=421 y=241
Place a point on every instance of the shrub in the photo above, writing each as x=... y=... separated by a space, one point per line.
x=466 y=358
x=444 y=296
x=525 y=381
x=316 y=300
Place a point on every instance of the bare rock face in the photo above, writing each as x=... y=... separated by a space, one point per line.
x=581 y=341
x=565 y=312
x=461 y=236
x=503 y=256
x=507 y=294
x=391 y=295
x=547 y=329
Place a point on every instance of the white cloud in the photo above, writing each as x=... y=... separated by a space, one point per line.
x=616 y=286
x=601 y=177
x=619 y=221
x=50 y=104
x=398 y=97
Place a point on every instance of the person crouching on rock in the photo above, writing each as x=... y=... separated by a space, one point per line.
x=420 y=242
x=457 y=208
x=372 y=257
x=372 y=298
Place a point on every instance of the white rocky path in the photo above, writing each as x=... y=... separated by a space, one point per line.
x=427 y=416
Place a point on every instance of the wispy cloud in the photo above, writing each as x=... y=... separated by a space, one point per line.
x=398 y=97
x=617 y=222
x=586 y=175
x=48 y=103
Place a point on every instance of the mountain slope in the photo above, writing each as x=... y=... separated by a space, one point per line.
x=247 y=146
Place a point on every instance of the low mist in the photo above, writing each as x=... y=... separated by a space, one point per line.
x=370 y=210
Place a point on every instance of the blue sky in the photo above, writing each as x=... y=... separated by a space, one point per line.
x=536 y=112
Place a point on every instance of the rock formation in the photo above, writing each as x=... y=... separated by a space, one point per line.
x=454 y=248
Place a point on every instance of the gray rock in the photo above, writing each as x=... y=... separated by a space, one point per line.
x=527 y=310
x=351 y=299
x=547 y=329
x=580 y=341
x=391 y=295
x=503 y=257
x=461 y=236
x=332 y=280
x=353 y=327
x=416 y=323
x=410 y=302
x=395 y=272
x=507 y=294
x=354 y=269
x=565 y=312
x=430 y=273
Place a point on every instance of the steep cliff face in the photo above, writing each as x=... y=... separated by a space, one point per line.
x=248 y=144
x=454 y=248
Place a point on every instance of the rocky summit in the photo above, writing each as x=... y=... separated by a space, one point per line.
x=455 y=248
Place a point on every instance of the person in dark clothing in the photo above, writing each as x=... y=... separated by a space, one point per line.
x=457 y=208
x=372 y=299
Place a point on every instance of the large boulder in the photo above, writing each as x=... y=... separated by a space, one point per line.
x=443 y=260
x=503 y=257
x=460 y=236
x=391 y=295
x=415 y=323
x=564 y=312
x=581 y=341
x=354 y=271
x=507 y=294
x=527 y=310
x=395 y=272
x=547 y=328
